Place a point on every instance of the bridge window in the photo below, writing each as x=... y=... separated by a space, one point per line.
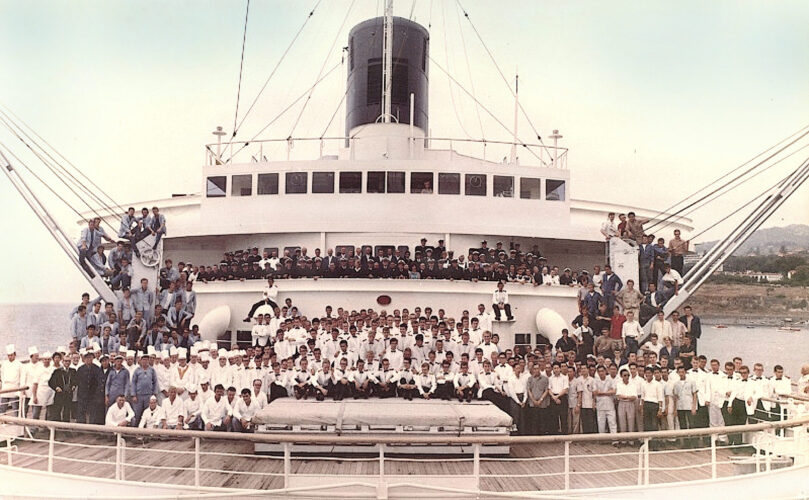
x=530 y=188
x=292 y=251
x=267 y=183
x=270 y=250
x=396 y=182
x=350 y=182
x=241 y=185
x=554 y=190
x=403 y=249
x=449 y=183
x=384 y=250
x=216 y=186
x=504 y=186
x=475 y=185
x=375 y=182
x=296 y=182
x=323 y=182
x=421 y=183
x=344 y=250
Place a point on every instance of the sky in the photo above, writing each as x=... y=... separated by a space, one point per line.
x=654 y=99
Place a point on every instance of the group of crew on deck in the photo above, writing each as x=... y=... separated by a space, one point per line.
x=573 y=386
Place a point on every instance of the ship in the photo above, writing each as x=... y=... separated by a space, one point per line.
x=384 y=187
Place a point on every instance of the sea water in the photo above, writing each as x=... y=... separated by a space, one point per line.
x=47 y=325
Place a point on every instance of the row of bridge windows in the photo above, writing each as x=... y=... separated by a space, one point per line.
x=387 y=182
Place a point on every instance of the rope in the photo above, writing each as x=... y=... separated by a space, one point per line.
x=277 y=65
x=241 y=66
x=96 y=188
x=52 y=169
x=735 y=212
x=668 y=217
x=716 y=196
x=16 y=129
x=11 y=153
x=497 y=66
x=283 y=112
x=469 y=72
x=505 y=127
x=449 y=81
x=322 y=67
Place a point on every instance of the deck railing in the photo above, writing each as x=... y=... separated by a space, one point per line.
x=313 y=148
x=197 y=456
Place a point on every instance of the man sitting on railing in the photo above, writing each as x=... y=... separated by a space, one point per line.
x=216 y=413
x=153 y=416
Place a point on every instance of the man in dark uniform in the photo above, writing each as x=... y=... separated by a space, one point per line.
x=62 y=382
x=90 y=395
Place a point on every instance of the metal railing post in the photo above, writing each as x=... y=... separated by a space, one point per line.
x=640 y=466
x=287 y=464
x=8 y=451
x=645 y=460
x=381 y=462
x=50 y=449
x=567 y=465
x=713 y=456
x=196 y=462
x=476 y=464
x=123 y=457
x=118 y=457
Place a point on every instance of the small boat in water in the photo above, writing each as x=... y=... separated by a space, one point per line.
x=720 y=326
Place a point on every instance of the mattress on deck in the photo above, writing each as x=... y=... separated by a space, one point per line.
x=382 y=412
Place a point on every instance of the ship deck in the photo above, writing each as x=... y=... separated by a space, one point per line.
x=229 y=464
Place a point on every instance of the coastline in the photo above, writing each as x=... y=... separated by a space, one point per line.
x=751 y=305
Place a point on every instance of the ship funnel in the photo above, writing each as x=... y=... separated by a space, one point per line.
x=364 y=101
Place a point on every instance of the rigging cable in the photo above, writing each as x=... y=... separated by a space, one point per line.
x=283 y=112
x=505 y=127
x=277 y=65
x=54 y=172
x=731 y=214
x=717 y=196
x=469 y=72
x=721 y=187
x=50 y=188
x=726 y=174
x=497 y=66
x=96 y=189
x=323 y=67
x=241 y=66
x=449 y=81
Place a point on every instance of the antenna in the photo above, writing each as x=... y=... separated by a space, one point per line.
x=387 y=68
x=516 y=115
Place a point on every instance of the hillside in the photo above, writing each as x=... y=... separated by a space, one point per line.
x=769 y=241
x=750 y=304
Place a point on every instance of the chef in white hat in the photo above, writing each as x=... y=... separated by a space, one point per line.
x=28 y=377
x=11 y=374
x=42 y=393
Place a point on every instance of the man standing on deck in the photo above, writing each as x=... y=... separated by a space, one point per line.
x=89 y=392
x=611 y=284
x=10 y=377
x=143 y=386
x=693 y=326
x=677 y=250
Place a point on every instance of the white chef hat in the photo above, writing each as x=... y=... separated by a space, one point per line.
x=130 y=354
x=150 y=351
x=222 y=353
x=164 y=355
x=33 y=350
x=47 y=354
x=173 y=351
x=10 y=349
x=182 y=352
x=192 y=388
x=61 y=349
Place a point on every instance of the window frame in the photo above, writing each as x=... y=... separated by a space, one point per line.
x=548 y=191
x=494 y=186
x=445 y=176
x=210 y=180
x=528 y=189
x=349 y=173
x=468 y=179
x=233 y=185
x=418 y=190
x=325 y=174
x=290 y=175
x=269 y=175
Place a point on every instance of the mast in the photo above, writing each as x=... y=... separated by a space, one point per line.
x=387 y=68
x=516 y=116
